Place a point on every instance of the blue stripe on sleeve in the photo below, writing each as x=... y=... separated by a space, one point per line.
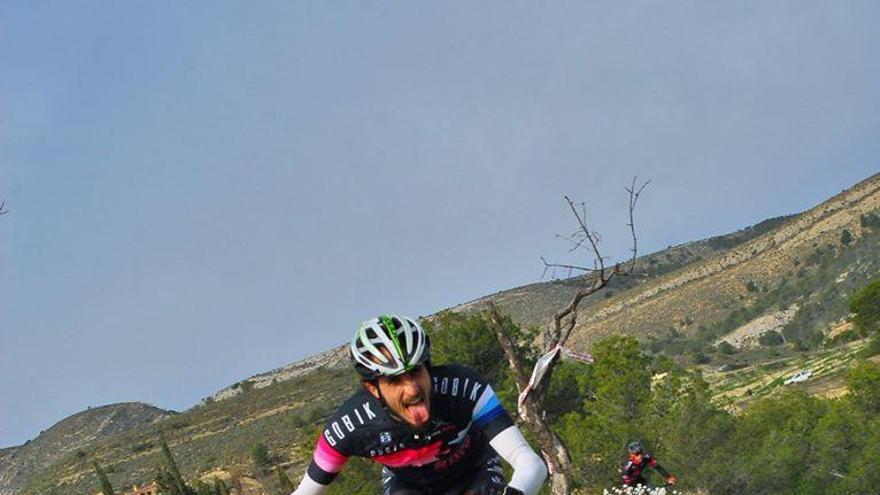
x=490 y=411
x=489 y=416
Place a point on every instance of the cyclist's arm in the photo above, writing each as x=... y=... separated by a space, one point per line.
x=326 y=464
x=660 y=469
x=308 y=486
x=529 y=471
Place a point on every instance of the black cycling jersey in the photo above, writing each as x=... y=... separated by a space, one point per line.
x=465 y=415
x=487 y=479
x=634 y=474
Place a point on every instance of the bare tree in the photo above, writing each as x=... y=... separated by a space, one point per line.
x=532 y=388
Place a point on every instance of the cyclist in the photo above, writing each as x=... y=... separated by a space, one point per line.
x=437 y=430
x=639 y=460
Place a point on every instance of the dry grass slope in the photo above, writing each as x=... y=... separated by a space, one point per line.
x=706 y=290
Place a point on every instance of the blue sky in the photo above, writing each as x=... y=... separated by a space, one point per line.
x=202 y=192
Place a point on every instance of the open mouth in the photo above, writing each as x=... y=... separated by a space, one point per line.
x=417 y=409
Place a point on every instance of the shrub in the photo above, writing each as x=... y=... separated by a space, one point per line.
x=770 y=339
x=315 y=415
x=864 y=386
x=726 y=348
x=699 y=357
x=869 y=220
x=260 y=455
x=873 y=347
x=865 y=304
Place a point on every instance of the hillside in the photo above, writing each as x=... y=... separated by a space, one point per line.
x=334 y=358
x=535 y=304
x=789 y=276
x=18 y=464
x=829 y=245
x=285 y=416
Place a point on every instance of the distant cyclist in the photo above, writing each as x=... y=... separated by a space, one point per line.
x=437 y=430
x=639 y=461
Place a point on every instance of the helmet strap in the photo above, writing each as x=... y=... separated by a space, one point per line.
x=375 y=383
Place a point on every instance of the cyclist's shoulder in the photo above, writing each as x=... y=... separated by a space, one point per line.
x=454 y=370
x=459 y=386
x=355 y=420
x=361 y=408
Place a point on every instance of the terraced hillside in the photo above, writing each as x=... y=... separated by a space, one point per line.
x=827 y=366
x=793 y=263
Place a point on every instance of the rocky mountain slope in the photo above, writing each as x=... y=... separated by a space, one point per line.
x=18 y=464
x=694 y=287
x=334 y=358
x=214 y=437
x=708 y=291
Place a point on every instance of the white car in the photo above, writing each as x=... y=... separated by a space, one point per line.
x=800 y=376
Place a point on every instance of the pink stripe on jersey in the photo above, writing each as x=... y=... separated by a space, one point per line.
x=411 y=457
x=327 y=458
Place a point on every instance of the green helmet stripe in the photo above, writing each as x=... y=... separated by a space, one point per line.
x=389 y=325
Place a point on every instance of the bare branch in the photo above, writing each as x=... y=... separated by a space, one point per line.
x=2 y=210
x=582 y=222
x=547 y=265
x=633 y=199
x=575 y=243
x=562 y=331
x=565 y=320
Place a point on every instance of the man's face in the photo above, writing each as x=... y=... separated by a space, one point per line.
x=407 y=396
x=636 y=458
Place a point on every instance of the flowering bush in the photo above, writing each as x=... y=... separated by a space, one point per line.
x=638 y=490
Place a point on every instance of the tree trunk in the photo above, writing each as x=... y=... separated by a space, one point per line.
x=555 y=452
x=532 y=414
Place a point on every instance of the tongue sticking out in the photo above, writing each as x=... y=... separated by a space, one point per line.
x=418 y=413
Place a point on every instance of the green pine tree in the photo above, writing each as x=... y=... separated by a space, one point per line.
x=178 y=486
x=106 y=487
x=165 y=480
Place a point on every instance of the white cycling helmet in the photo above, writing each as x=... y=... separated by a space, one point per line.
x=407 y=346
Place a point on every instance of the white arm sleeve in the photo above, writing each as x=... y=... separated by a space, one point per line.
x=529 y=471
x=308 y=486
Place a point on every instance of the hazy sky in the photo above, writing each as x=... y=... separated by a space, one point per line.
x=202 y=192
